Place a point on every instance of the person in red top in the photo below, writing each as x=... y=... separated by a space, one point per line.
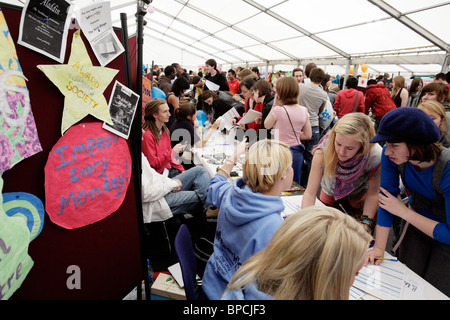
x=346 y=99
x=246 y=88
x=157 y=149
x=378 y=101
x=233 y=82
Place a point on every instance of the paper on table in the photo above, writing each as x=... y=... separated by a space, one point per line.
x=250 y=117
x=384 y=281
x=292 y=204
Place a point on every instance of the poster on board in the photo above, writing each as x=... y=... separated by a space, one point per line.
x=87 y=175
x=122 y=107
x=44 y=26
x=82 y=85
x=18 y=133
x=15 y=262
x=95 y=22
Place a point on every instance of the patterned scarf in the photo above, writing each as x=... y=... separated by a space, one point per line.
x=347 y=173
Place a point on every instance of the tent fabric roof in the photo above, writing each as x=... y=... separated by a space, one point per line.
x=405 y=36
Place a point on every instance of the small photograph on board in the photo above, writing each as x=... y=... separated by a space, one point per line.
x=122 y=107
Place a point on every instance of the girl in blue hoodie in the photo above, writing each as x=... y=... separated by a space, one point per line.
x=249 y=209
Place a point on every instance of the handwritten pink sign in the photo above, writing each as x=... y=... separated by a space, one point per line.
x=86 y=176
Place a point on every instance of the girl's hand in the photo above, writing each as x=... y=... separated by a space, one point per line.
x=390 y=203
x=178 y=148
x=372 y=254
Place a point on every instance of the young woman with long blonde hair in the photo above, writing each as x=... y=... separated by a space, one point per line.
x=347 y=168
x=314 y=255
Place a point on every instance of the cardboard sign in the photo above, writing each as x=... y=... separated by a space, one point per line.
x=18 y=133
x=15 y=263
x=28 y=207
x=82 y=84
x=86 y=176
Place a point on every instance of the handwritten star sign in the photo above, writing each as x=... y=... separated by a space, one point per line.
x=82 y=84
x=87 y=175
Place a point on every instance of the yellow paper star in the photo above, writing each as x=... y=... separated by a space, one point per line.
x=82 y=84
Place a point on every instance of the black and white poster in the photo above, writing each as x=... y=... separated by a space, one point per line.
x=122 y=107
x=44 y=26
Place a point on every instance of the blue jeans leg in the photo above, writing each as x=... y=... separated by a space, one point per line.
x=193 y=192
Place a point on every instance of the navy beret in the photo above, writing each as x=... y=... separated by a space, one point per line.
x=407 y=124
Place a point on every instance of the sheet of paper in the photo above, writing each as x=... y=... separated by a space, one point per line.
x=292 y=204
x=95 y=22
x=250 y=117
x=44 y=26
x=175 y=271
x=212 y=86
x=227 y=118
x=384 y=281
x=356 y=294
x=122 y=107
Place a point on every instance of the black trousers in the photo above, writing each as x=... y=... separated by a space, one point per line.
x=427 y=257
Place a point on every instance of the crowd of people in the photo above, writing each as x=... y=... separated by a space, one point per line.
x=375 y=156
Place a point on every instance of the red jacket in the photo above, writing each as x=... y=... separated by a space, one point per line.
x=159 y=154
x=378 y=100
x=345 y=102
x=256 y=107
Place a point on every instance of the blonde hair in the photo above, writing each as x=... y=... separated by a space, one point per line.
x=312 y=256
x=438 y=108
x=265 y=162
x=357 y=124
x=400 y=82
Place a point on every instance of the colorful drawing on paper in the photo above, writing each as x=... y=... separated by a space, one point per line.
x=82 y=84
x=15 y=263
x=18 y=134
x=28 y=207
x=86 y=175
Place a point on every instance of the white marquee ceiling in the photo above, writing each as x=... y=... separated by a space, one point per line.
x=396 y=36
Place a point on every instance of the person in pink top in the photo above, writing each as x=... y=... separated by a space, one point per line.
x=349 y=100
x=289 y=121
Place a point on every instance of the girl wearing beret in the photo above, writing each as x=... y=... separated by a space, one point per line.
x=413 y=154
x=346 y=166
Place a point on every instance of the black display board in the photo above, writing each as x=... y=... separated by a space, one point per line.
x=106 y=253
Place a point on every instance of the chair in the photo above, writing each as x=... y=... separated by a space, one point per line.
x=188 y=262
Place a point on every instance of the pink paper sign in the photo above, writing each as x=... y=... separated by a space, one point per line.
x=86 y=176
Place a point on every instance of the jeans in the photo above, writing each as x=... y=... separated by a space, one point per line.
x=193 y=192
x=308 y=154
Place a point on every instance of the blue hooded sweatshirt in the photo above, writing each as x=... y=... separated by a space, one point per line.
x=246 y=222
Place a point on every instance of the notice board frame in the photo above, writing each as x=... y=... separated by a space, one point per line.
x=107 y=253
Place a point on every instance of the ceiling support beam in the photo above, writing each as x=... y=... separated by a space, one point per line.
x=411 y=24
x=298 y=28
x=210 y=34
x=231 y=26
